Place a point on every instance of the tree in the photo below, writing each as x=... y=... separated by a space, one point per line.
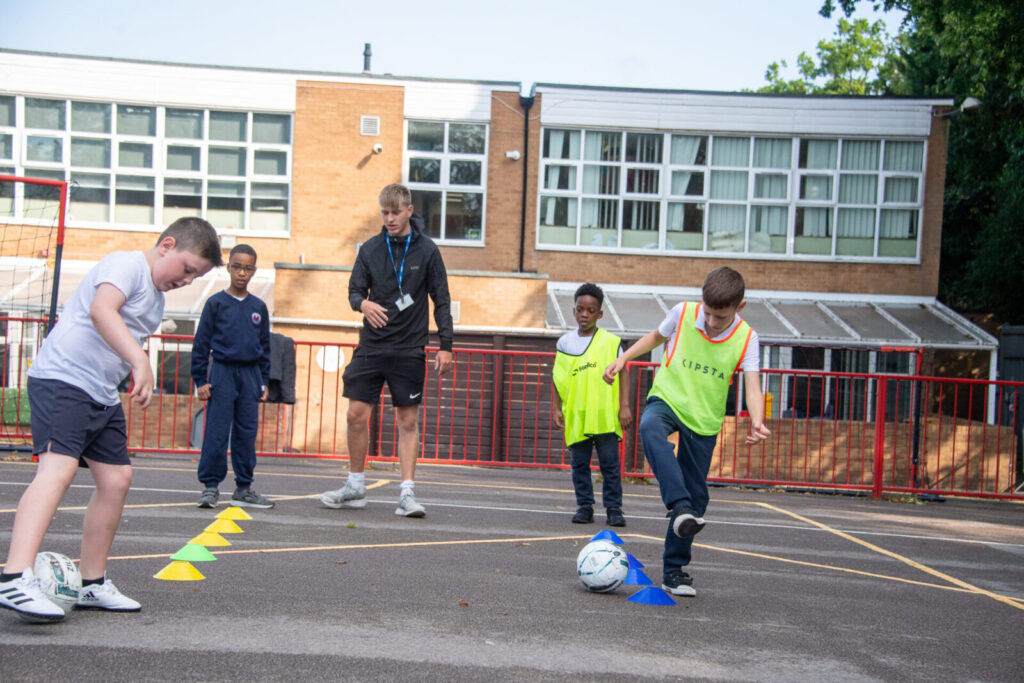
x=858 y=62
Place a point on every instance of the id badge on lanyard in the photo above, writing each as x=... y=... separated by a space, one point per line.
x=404 y=301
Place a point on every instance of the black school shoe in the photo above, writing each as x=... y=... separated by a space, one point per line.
x=678 y=583
x=685 y=522
x=615 y=517
x=584 y=515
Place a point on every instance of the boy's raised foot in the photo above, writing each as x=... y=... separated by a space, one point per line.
x=24 y=596
x=685 y=522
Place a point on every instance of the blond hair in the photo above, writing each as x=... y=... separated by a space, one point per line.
x=395 y=196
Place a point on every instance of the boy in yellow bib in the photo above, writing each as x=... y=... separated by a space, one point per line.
x=707 y=344
x=594 y=414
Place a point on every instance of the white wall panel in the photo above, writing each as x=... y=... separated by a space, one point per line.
x=451 y=101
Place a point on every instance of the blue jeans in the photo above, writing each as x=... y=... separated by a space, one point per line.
x=233 y=409
x=682 y=476
x=607 y=446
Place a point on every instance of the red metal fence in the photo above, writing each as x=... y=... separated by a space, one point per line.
x=869 y=433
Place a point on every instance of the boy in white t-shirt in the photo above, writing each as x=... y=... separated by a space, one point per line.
x=77 y=418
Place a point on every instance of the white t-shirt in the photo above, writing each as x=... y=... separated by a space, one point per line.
x=573 y=344
x=751 y=359
x=74 y=352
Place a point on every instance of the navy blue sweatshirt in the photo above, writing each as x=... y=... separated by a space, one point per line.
x=238 y=333
x=373 y=277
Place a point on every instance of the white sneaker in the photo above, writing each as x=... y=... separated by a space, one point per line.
x=408 y=507
x=24 y=596
x=345 y=497
x=106 y=596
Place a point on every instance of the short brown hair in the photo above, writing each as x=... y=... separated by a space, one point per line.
x=723 y=288
x=395 y=196
x=192 y=233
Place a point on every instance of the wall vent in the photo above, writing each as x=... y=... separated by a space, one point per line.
x=369 y=125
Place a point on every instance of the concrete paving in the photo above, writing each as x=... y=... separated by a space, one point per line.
x=789 y=586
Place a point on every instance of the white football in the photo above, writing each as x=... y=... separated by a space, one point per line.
x=602 y=566
x=59 y=579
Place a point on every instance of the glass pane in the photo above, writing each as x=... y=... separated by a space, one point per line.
x=6 y=193
x=135 y=155
x=270 y=163
x=184 y=123
x=463 y=219
x=685 y=226
x=600 y=213
x=560 y=212
x=689 y=183
x=601 y=179
x=182 y=198
x=640 y=223
x=903 y=156
x=134 y=200
x=691 y=150
x=90 y=196
x=644 y=148
x=424 y=170
x=268 y=208
x=858 y=189
x=817 y=187
x=180 y=158
x=730 y=151
x=271 y=128
x=559 y=177
x=464 y=172
x=768 y=226
x=813 y=231
x=428 y=205
x=602 y=146
x=855 y=232
x=228 y=125
x=133 y=120
x=426 y=136
x=561 y=144
x=90 y=117
x=770 y=186
x=90 y=152
x=901 y=190
x=728 y=185
x=225 y=205
x=465 y=138
x=6 y=146
x=772 y=152
x=6 y=110
x=818 y=153
x=39 y=148
x=41 y=201
x=726 y=225
x=41 y=113
x=860 y=155
x=642 y=180
x=898 y=233
x=227 y=161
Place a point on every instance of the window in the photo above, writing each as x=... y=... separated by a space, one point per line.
x=446 y=172
x=146 y=165
x=735 y=194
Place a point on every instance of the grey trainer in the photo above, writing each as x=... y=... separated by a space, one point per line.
x=345 y=497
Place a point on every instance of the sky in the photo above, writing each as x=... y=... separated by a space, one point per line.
x=718 y=45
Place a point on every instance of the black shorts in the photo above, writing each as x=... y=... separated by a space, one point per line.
x=67 y=421
x=403 y=369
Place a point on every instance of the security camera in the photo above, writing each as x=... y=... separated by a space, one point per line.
x=378 y=148
x=513 y=155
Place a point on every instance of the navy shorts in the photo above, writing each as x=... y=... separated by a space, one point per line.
x=402 y=369
x=66 y=420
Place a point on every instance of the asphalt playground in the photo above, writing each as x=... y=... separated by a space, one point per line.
x=789 y=586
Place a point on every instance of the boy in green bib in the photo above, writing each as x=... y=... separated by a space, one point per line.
x=592 y=414
x=707 y=343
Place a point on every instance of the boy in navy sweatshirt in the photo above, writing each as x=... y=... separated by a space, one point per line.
x=235 y=329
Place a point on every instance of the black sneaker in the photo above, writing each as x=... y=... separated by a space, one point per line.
x=208 y=498
x=615 y=517
x=678 y=583
x=685 y=522
x=584 y=515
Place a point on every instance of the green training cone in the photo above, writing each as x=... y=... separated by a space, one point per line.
x=194 y=552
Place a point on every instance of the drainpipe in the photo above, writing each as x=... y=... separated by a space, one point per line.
x=525 y=103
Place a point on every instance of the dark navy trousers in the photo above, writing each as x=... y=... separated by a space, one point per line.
x=233 y=410
x=682 y=475
x=607 y=446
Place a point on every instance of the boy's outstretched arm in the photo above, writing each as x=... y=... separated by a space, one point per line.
x=106 y=317
x=644 y=344
x=755 y=406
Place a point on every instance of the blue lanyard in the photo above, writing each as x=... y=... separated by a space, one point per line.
x=399 y=271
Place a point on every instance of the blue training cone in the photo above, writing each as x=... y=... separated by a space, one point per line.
x=635 y=577
x=607 y=535
x=633 y=562
x=651 y=596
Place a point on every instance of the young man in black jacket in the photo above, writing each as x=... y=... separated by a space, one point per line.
x=394 y=273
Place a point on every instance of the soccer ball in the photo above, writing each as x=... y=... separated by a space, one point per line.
x=602 y=566
x=59 y=579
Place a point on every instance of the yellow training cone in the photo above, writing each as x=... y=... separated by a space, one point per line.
x=179 y=571
x=234 y=513
x=210 y=539
x=224 y=526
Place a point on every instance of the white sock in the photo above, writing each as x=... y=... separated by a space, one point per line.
x=357 y=480
x=407 y=487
